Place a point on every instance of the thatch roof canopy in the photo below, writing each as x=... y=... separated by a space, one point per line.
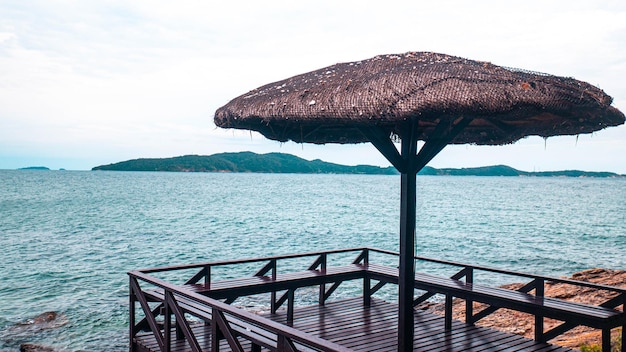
x=334 y=104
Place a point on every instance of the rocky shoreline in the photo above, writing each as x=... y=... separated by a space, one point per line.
x=522 y=324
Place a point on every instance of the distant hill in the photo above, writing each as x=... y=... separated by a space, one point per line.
x=244 y=162
x=34 y=168
x=287 y=163
x=503 y=170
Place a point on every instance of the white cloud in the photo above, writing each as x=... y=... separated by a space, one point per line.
x=108 y=80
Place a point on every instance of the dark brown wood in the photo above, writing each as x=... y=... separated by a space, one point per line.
x=224 y=327
x=469 y=304
x=382 y=141
x=270 y=266
x=262 y=284
x=593 y=316
x=354 y=322
x=444 y=133
x=408 y=206
x=170 y=302
x=409 y=164
x=373 y=329
x=143 y=302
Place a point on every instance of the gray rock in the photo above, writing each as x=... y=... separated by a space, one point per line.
x=33 y=347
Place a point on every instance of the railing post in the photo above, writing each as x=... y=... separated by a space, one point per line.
x=131 y=316
x=624 y=324
x=136 y=289
x=469 y=304
x=290 y=299
x=167 y=327
x=216 y=334
x=448 y=313
x=367 y=290
x=207 y=277
x=179 y=332
x=623 y=294
x=322 y=290
x=539 y=292
x=285 y=345
x=273 y=307
x=274 y=269
x=606 y=340
x=367 y=281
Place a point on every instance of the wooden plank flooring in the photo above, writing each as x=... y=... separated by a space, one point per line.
x=348 y=323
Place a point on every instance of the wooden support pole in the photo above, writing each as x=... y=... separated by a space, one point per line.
x=408 y=189
x=408 y=162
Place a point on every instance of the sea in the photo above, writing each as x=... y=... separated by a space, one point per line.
x=68 y=238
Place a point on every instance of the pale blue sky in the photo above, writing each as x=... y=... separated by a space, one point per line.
x=84 y=83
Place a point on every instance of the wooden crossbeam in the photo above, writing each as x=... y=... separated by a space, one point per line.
x=443 y=134
x=362 y=258
x=205 y=273
x=382 y=141
x=285 y=344
x=136 y=290
x=271 y=265
x=221 y=324
x=491 y=309
x=181 y=322
x=320 y=261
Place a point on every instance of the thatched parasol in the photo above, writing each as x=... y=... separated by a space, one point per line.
x=331 y=104
x=436 y=98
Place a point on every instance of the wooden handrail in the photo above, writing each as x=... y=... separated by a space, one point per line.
x=280 y=330
x=510 y=272
x=364 y=253
x=248 y=260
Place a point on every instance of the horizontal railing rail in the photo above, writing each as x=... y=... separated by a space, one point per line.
x=248 y=260
x=387 y=252
x=509 y=272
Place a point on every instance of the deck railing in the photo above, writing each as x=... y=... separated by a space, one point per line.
x=230 y=322
x=227 y=322
x=536 y=285
x=197 y=296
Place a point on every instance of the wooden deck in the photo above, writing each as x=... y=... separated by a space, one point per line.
x=350 y=324
x=164 y=315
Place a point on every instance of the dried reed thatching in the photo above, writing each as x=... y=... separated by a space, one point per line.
x=334 y=104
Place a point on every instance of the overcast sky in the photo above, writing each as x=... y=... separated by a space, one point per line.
x=85 y=83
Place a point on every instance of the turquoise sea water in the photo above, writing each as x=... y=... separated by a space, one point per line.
x=68 y=238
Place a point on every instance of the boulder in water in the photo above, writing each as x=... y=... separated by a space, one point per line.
x=26 y=330
x=33 y=347
x=41 y=319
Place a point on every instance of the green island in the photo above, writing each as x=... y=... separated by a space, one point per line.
x=35 y=168
x=244 y=162
x=287 y=163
